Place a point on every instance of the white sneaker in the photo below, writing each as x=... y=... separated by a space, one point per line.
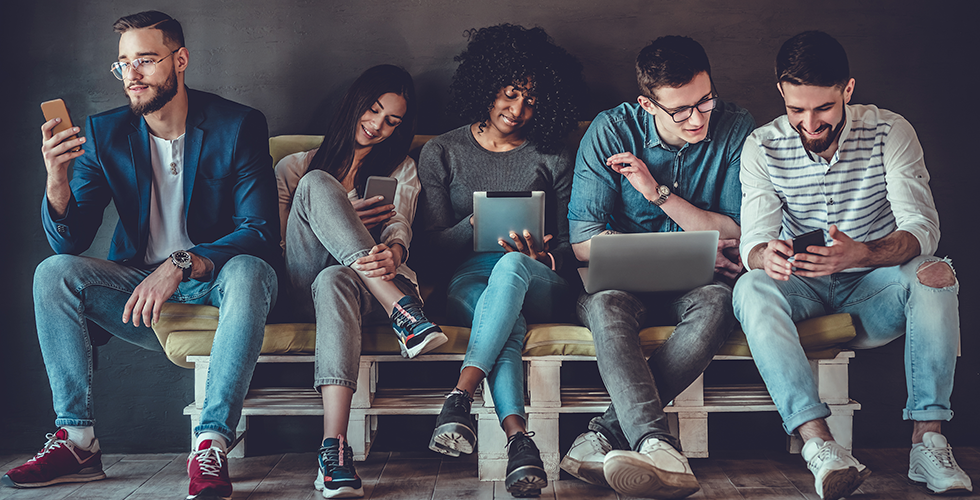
x=932 y=462
x=584 y=458
x=836 y=473
x=656 y=471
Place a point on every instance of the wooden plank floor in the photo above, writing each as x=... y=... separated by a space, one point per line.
x=426 y=475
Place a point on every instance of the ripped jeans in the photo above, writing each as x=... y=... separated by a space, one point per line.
x=885 y=303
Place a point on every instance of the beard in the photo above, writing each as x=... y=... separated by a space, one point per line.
x=164 y=94
x=820 y=145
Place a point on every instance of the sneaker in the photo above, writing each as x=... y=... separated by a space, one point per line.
x=584 y=458
x=656 y=471
x=836 y=473
x=454 y=432
x=336 y=476
x=208 y=470
x=932 y=462
x=525 y=470
x=59 y=461
x=416 y=334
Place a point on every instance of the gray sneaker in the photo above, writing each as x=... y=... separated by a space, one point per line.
x=931 y=462
x=836 y=473
x=656 y=471
x=584 y=458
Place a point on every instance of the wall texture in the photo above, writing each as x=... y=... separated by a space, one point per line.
x=292 y=59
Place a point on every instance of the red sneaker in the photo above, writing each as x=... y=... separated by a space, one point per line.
x=60 y=461
x=208 y=469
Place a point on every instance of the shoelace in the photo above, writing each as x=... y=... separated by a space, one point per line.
x=209 y=461
x=942 y=456
x=53 y=442
x=825 y=453
x=407 y=314
x=334 y=459
x=463 y=401
x=600 y=442
x=522 y=444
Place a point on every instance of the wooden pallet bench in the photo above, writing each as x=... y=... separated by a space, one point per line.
x=545 y=401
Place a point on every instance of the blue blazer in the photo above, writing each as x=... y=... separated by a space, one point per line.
x=230 y=197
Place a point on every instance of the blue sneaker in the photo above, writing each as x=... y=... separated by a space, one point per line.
x=416 y=334
x=336 y=476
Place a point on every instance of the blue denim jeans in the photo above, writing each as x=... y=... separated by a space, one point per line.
x=71 y=290
x=885 y=304
x=499 y=294
x=638 y=387
x=324 y=237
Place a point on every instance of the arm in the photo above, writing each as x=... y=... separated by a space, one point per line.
x=595 y=188
x=289 y=171
x=445 y=234
x=686 y=215
x=253 y=196
x=71 y=211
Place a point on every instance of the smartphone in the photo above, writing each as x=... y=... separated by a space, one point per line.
x=812 y=239
x=56 y=109
x=381 y=186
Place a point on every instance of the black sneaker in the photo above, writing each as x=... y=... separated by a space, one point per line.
x=416 y=334
x=454 y=432
x=525 y=470
x=336 y=475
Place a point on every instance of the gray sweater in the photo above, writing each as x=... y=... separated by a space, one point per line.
x=453 y=166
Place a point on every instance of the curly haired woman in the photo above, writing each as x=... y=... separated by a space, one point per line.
x=519 y=93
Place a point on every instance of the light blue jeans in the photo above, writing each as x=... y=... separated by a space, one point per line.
x=885 y=304
x=499 y=293
x=324 y=237
x=70 y=290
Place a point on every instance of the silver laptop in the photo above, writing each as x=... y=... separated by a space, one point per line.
x=497 y=213
x=650 y=262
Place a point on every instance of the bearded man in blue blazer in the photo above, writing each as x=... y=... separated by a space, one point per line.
x=191 y=178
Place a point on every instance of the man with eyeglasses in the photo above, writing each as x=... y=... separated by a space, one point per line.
x=856 y=175
x=191 y=178
x=668 y=162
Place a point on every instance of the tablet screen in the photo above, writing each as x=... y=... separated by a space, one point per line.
x=497 y=213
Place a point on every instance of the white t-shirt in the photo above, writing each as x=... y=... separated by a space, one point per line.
x=168 y=225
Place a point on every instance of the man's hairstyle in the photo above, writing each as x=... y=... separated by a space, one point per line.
x=669 y=61
x=336 y=153
x=173 y=34
x=503 y=55
x=812 y=58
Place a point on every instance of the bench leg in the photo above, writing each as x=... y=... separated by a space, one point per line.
x=361 y=429
x=545 y=429
x=491 y=448
x=239 y=449
x=692 y=426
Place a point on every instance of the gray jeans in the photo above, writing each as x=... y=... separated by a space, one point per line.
x=639 y=387
x=324 y=236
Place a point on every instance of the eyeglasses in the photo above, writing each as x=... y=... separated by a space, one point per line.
x=143 y=65
x=684 y=113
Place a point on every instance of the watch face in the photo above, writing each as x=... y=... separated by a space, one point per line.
x=663 y=190
x=181 y=259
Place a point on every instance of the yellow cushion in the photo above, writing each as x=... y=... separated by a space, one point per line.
x=282 y=146
x=821 y=338
x=284 y=338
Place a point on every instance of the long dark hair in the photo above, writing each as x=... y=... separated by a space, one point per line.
x=337 y=151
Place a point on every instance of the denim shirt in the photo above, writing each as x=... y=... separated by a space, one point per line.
x=705 y=174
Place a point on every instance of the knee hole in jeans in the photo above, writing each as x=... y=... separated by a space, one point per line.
x=936 y=274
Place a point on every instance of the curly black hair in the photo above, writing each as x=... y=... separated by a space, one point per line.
x=498 y=56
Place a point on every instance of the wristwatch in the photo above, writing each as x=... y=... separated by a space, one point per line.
x=182 y=260
x=664 y=192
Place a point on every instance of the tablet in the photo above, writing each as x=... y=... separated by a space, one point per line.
x=497 y=213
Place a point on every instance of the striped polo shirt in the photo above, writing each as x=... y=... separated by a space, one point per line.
x=876 y=183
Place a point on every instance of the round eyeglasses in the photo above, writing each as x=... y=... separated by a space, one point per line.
x=144 y=66
x=684 y=113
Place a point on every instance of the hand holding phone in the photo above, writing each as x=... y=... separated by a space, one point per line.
x=60 y=143
x=812 y=239
x=381 y=186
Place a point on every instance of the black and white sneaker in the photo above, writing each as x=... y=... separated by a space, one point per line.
x=525 y=470
x=454 y=432
x=416 y=334
x=336 y=476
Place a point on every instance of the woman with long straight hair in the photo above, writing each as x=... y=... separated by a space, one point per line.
x=345 y=255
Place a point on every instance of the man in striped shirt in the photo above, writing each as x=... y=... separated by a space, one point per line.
x=855 y=173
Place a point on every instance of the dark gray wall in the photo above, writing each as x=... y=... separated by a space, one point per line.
x=293 y=59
